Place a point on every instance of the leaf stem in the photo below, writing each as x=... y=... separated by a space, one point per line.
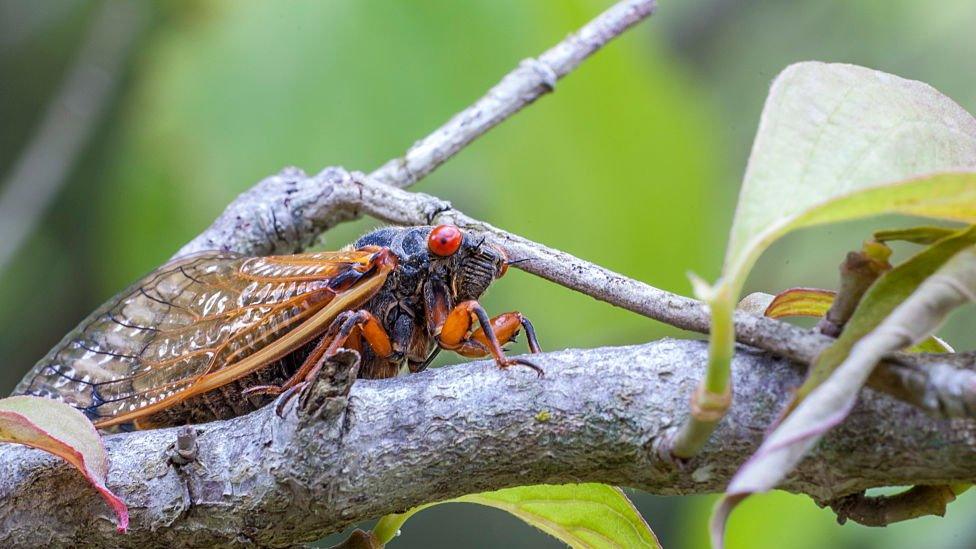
x=721 y=345
x=714 y=396
x=857 y=272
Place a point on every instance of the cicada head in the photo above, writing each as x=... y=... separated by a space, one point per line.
x=468 y=262
x=479 y=264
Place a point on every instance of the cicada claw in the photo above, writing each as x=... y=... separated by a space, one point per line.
x=521 y=361
x=285 y=397
x=283 y=393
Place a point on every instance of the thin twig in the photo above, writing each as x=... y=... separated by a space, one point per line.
x=532 y=79
x=287 y=211
x=915 y=502
x=858 y=272
x=68 y=122
x=943 y=386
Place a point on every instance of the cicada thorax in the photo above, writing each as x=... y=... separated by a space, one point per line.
x=164 y=351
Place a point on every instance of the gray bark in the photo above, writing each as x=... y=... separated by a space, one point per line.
x=597 y=415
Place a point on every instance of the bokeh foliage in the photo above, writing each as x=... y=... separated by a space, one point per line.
x=633 y=163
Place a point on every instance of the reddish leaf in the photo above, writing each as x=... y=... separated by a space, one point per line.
x=62 y=430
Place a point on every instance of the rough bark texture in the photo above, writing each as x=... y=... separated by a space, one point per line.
x=596 y=416
x=282 y=214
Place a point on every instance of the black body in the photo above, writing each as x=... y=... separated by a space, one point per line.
x=422 y=281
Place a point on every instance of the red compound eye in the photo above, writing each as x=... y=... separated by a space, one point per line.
x=444 y=240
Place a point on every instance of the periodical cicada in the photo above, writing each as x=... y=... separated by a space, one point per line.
x=218 y=334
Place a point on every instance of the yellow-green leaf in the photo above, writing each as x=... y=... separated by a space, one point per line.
x=800 y=302
x=62 y=430
x=932 y=344
x=839 y=142
x=580 y=515
x=916 y=235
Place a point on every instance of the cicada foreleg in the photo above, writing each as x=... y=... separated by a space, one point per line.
x=455 y=334
x=505 y=327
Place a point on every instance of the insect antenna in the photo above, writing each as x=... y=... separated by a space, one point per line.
x=517 y=261
x=430 y=359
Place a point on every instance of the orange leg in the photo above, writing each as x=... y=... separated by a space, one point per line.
x=455 y=334
x=349 y=325
x=505 y=326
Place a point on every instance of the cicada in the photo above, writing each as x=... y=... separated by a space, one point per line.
x=217 y=334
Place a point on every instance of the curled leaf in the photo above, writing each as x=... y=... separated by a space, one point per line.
x=800 y=302
x=755 y=303
x=915 y=235
x=62 y=430
x=932 y=344
x=815 y=302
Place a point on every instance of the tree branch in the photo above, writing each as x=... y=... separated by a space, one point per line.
x=457 y=430
x=288 y=211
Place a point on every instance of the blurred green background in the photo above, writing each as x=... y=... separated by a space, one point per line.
x=634 y=163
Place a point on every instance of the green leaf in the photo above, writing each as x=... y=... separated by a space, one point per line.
x=902 y=307
x=932 y=344
x=62 y=430
x=580 y=515
x=916 y=235
x=839 y=142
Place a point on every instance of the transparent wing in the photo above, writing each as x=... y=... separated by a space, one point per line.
x=192 y=317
